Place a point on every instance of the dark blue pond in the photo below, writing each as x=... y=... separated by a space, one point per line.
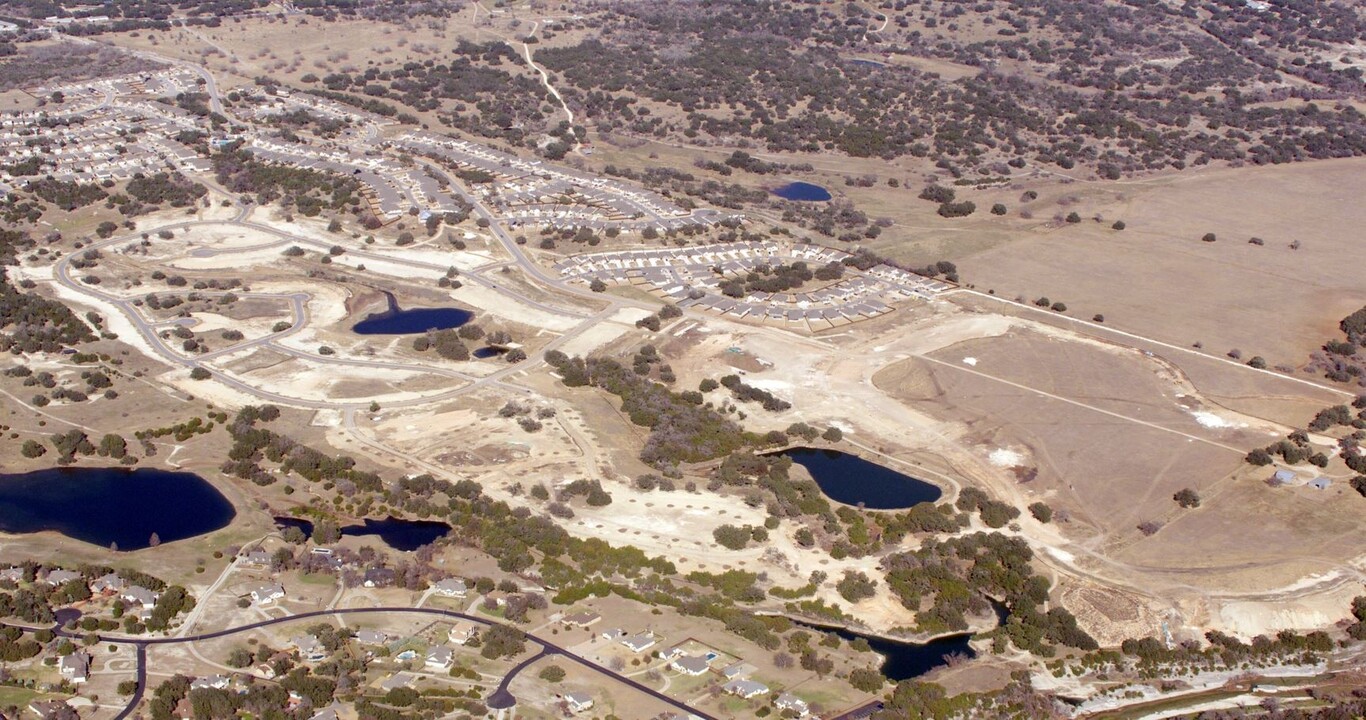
x=851 y=480
x=411 y=322
x=398 y=534
x=397 y=321
x=484 y=353
x=805 y=192
x=906 y=660
x=116 y=505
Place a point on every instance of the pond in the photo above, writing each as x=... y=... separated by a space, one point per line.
x=851 y=480
x=906 y=660
x=484 y=353
x=801 y=191
x=405 y=535
x=110 y=506
x=397 y=321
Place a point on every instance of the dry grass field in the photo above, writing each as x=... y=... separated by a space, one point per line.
x=1158 y=278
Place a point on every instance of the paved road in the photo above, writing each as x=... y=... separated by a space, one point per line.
x=503 y=696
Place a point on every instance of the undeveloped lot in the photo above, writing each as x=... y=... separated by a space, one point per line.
x=1158 y=278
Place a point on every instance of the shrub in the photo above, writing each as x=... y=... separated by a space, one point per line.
x=1208 y=237
x=1187 y=498
x=200 y=373
x=1119 y=225
x=1041 y=512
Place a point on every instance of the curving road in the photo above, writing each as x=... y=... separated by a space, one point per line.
x=501 y=695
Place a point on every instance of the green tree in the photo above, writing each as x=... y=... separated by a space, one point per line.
x=33 y=449
x=552 y=673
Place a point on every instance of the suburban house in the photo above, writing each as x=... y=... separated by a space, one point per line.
x=462 y=632
x=61 y=577
x=267 y=593
x=452 y=587
x=691 y=665
x=439 y=658
x=1283 y=477
x=380 y=577
x=257 y=557
x=76 y=666
x=372 y=637
x=214 y=682
x=327 y=713
x=139 y=595
x=110 y=583
x=397 y=680
x=309 y=647
x=581 y=619
x=613 y=634
x=745 y=688
x=640 y=642
x=788 y=701
x=577 y=702
x=13 y=574
x=45 y=709
x=735 y=671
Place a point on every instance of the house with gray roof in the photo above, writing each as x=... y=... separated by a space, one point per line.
x=267 y=593
x=140 y=596
x=788 y=701
x=372 y=637
x=691 y=665
x=61 y=577
x=578 y=702
x=108 y=583
x=745 y=688
x=75 y=667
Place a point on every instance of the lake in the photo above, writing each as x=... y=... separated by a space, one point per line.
x=906 y=660
x=405 y=535
x=112 y=505
x=801 y=191
x=851 y=480
x=397 y=321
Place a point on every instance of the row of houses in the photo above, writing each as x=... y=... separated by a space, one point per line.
x=734 y=674
x=533 y=193
x=693 y=277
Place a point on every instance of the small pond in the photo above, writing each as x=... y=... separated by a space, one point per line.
x=905 y=660
x=397 y=321
x=484 y=353
x=851 y=480
x=802 y=191
x=109 y=506
x=406 y=535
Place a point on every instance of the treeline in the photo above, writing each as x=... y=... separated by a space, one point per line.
x=963 y=575
x=31 y=323
x=681 y=431
x=311 y=191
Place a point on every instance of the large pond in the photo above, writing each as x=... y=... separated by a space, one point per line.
x=398 y=534
x=397 y=321
x=906 y=660
x=851 y=480
x=802 y=191
x=112 y=506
